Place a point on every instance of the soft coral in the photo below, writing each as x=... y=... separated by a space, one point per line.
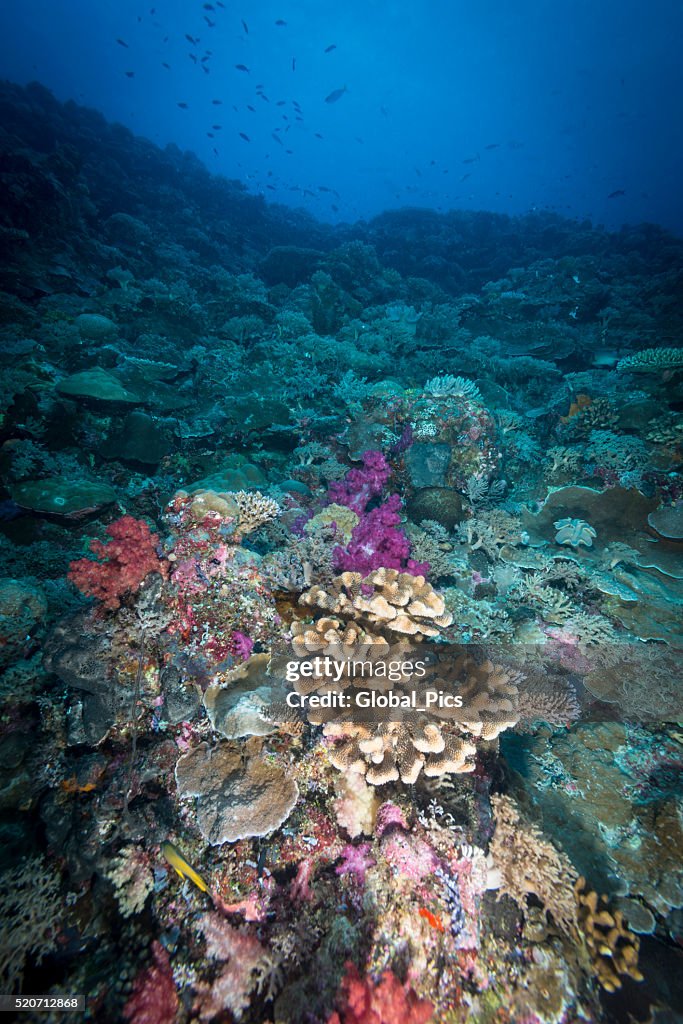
x=387 y=1002
x=125 y=560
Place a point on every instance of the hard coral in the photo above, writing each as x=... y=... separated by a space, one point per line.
x=125 y=560
x=396 y=601
x=612 y=946
x=387 y=1002
x=236 y=799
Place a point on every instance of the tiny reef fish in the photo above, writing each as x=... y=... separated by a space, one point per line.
x=432 y=919
x=335 y=95
x=181 y=866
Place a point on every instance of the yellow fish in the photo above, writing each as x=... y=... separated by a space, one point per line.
x=181 y=867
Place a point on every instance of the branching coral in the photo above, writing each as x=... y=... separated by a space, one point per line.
x=400 y=750
x=530 y=865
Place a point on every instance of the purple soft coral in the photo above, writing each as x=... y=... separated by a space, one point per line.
x=359 y=486
x=355 y=861
x=377 y=543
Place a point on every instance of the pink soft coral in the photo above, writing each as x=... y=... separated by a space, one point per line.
x=388 y=1002
x=125 y=560
x=154 y=999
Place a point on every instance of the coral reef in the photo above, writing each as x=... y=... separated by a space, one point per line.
x=238 y=446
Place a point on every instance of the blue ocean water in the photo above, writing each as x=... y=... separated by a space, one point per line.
x=509 y=108
x=341 y=514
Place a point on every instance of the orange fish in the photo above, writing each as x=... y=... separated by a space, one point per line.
x=433 y=920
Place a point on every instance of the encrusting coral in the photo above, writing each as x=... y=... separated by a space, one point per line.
x=235 y=798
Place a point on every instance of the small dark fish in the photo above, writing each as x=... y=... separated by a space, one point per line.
x=216 y=103
x=493 y=145
x=615 y=195
x=208 y=7
x=290 y=151
x=206 y=57
x=217 y=127
x=272 y=188
x=129 y=74
x=281 y=103
x=249 y=107
x=277 y=138
x=205 y=69
x=466 y=176
x=219 y=4
x=317 y=135
x=335 y=95
x=263 y=96
x=211 y=135
x=122 y=42
x=192 y=57
x=293 y=63
x=183 y=106
x=280 y=22
x=245 y=27
x=191 y=39
x=242 y=67
x=329 y=49
x=211 y=24
x=165 y=65
x=245 y=137
x=215 y=151
x=471 y=159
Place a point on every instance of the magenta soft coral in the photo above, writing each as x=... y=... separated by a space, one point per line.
x=387 y=1002
x=376 y=542
x=124 y=561
x=359 y=486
